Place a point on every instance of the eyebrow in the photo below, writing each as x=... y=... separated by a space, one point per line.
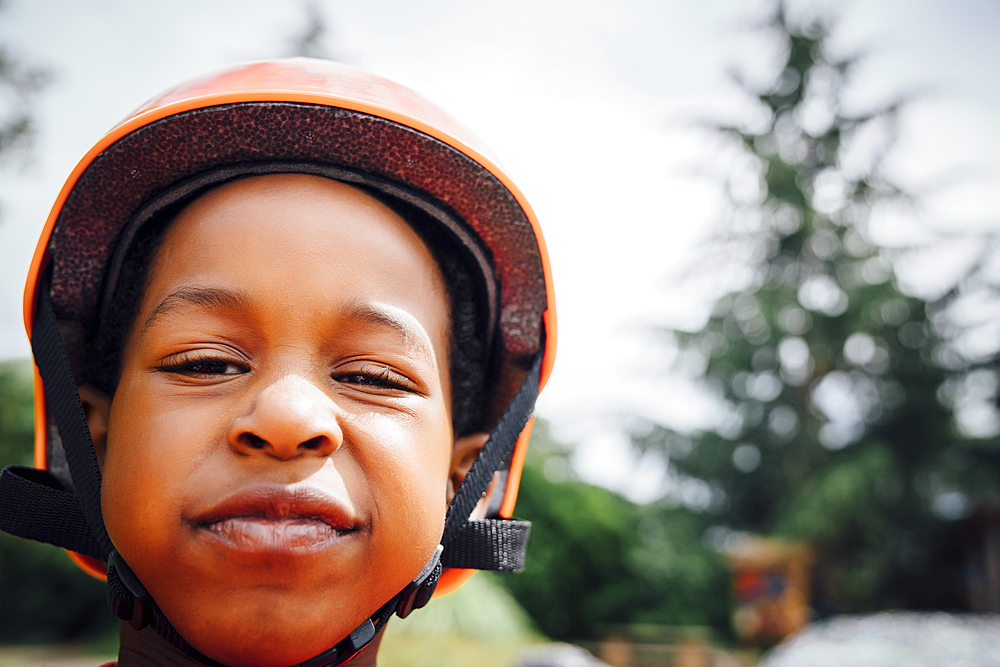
x=210 y=297
x=383 y=316
x=215 y=297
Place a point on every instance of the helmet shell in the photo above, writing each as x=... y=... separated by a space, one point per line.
x=303 y=110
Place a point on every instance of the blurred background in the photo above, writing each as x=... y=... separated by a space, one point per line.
x=774 y=232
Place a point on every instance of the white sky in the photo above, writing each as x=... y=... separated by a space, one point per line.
x=589 y=105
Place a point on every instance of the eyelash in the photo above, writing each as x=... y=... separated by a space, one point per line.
x=383 y=378
x=187 y=364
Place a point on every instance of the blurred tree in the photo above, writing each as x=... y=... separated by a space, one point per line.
x=313 y=39
x=595 y=559
x=836 y=383
x=19 y=85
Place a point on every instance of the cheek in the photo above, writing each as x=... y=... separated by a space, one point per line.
x=408 y=469
x=151 y=452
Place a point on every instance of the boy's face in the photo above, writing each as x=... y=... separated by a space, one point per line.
x=279 y=445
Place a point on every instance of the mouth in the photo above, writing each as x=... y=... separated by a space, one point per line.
x=278 y=519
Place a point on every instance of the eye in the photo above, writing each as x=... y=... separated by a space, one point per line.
x=374 y=377
x=201 y=366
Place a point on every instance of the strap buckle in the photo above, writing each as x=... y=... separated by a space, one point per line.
x=419 y=591
x=346 y=649
x=138 y=610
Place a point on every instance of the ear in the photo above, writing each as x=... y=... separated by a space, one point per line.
x=97 y=408
x=462 y=457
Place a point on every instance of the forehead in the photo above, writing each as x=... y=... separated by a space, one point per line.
x=300 y=240
x=298 y=212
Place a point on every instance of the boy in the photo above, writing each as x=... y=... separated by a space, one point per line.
x=289 y=326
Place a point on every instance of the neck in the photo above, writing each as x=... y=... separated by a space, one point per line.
x=142 y=648
x=146 y=647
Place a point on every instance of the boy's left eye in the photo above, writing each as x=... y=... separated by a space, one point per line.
x=379 y=377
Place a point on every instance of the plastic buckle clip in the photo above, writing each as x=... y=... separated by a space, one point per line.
x=346 y=649
x=419 y=591
x=142 y=602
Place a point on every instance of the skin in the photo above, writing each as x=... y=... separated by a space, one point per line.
x=278 y=456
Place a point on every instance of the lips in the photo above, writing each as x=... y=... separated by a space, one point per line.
x=271 y=518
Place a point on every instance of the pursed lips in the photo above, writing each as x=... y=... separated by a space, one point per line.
x=276 y=518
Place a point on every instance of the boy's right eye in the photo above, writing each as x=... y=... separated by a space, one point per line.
x=193 y=365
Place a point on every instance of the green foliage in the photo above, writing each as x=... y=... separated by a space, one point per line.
x=596 y=559
x=44 y=598
x=478 y=624
x=832 y=375
x=17 y=421
x=481 y=608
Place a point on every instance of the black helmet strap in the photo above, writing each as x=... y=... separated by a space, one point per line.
x=65 y=410
x=35 y=505
x=499 y=447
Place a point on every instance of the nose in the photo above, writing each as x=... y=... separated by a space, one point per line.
x=290 y=417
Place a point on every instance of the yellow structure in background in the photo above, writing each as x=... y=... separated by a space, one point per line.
x=771 y=583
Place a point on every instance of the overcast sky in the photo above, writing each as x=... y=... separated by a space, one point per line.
x=589 y=104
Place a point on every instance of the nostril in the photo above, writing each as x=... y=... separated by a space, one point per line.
x=286 y=446
x=254 y=441
x=313 y=443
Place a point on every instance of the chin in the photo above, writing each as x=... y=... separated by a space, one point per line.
x=266 y=652
x=272 y=637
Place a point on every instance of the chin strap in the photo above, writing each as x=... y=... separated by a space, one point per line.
x=35 y=504
x=497 y=543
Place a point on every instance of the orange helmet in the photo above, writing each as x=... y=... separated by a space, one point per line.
x=296 y=115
